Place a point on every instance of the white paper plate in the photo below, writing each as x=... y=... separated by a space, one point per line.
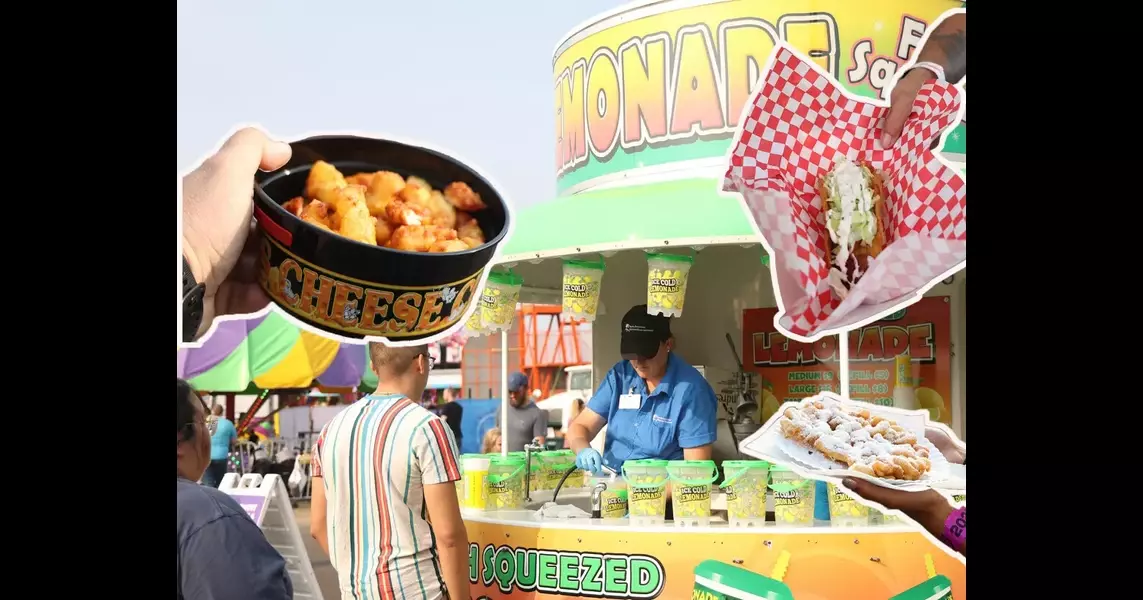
x=768 y=443
x=816 y=463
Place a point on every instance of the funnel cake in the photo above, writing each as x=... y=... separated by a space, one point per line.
x=862 y=442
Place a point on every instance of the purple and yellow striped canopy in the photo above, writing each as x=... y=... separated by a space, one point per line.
x=270 y=352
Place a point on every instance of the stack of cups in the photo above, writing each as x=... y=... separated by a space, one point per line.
x=667 y=283
x=506 y=482
x=539 y=472
x=793 y=497
x=474 y=475
x=744 y=482
x=690 y=491
x=498 y=301
x=556 y=465
x=646 y=491
x=844 y=511
x=582 y=281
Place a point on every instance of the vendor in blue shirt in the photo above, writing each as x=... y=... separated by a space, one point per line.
x=654 y=404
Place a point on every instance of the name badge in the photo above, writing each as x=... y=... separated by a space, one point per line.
x=629 y=401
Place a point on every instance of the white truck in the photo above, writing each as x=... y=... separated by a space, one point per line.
x=561 y=406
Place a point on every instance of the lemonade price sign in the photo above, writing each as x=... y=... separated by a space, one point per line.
x=667 y=82
x=920 y=334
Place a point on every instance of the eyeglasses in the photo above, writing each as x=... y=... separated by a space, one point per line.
x=430 y=361
x=209 y=422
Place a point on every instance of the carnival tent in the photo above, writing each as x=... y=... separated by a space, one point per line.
x=269 y=352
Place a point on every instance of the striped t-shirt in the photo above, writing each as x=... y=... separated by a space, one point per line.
x=374 y=458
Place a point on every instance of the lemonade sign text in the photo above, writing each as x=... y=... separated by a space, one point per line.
x=796 y=370
x=667 y=82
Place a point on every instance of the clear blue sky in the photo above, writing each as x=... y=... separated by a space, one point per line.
x=471 y=77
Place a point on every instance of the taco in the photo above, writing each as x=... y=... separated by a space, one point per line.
x=853 y=198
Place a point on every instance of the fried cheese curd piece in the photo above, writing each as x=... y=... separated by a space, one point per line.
x=383 y=186
x=383 y=230
x=385 y=209
x=468 y=230
x=317 y=213
x=421 y=238
x=294 y=206
x=463 y=197
x=355 y=222
x=399 y=213
x=322 y=178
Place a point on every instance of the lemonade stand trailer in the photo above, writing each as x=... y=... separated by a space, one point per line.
x=639 y=163
x=510 y=547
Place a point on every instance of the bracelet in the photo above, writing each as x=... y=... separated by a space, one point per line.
x=955 y=534
x=193 y=293
x=937 y=70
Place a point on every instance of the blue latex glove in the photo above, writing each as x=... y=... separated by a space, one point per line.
x=589 y=460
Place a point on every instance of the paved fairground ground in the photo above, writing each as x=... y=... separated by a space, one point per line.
x=326 y=576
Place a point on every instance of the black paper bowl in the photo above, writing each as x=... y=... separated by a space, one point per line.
x=355 y=290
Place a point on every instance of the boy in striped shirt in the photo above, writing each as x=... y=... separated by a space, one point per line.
x=382 y=468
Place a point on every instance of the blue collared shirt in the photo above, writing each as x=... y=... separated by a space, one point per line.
x=681 y=413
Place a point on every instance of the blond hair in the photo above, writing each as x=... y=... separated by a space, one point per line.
x=491 y=441
x=576 y=408
x=393 y=360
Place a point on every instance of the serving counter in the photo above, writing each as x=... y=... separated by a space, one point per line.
x=518 y=555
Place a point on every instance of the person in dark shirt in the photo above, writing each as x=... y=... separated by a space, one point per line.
x=452 y=413
x=222 y=554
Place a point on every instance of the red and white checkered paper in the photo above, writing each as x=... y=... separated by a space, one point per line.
x=799 y=123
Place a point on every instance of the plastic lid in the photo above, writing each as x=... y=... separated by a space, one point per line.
x=696 y=464
x=586 y=264
x=777 y=467
x=745 y=464
x=680 y=258
x=478 y=461
x=645 y=462
x=927 y=590
x=507 y=461
x=740 y=579
x=508 y=277
x=564 y=452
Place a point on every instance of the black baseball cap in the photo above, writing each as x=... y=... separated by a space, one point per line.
x=641 y=333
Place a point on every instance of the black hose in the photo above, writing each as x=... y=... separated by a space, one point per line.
x=561 y=483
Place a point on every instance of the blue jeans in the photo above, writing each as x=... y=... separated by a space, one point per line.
x=215 y=471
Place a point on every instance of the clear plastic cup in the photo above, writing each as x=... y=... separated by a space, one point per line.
x=499 y=299
x=538 y=472
x=667 y=283
x=613 y=501
x=474 y=478
x=556 y=465
x=844 y=511
x=506 y=483
x=474 y=326
x=582 y=281
x=690 y=491
x=745 y=482
x=793 y=497
x=646 y=490
x=877 y=517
